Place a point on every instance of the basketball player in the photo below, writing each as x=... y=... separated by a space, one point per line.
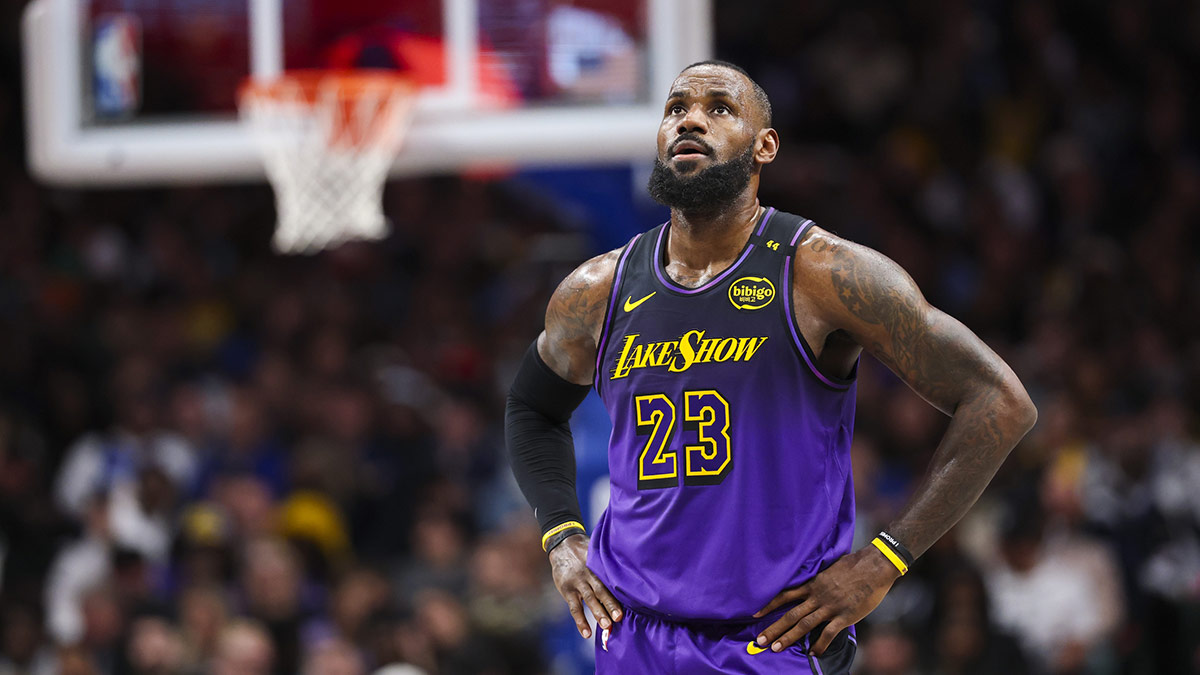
x=724 y=344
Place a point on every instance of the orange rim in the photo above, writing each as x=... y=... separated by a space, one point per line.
x=350 y=83
x=352 y=125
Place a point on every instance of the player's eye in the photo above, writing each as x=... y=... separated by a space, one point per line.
x=676 y=109
x=721 y=108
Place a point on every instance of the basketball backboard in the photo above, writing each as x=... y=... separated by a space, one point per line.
x=144 y=91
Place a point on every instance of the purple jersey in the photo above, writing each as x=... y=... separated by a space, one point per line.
x=730 y=452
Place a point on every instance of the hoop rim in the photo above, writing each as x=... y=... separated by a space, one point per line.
x=326 y=138
x=349 y=83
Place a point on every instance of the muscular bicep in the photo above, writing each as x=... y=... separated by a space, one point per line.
x=941 y=359
x=574 y=318
x=880 y=307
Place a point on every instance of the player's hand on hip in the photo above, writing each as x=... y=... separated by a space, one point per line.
x=839 y=596
x=578 y=586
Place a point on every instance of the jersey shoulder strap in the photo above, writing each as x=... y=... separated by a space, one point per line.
x=782 y=232
x=620 y=280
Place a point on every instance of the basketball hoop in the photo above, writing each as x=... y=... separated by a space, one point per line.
x=327 y=141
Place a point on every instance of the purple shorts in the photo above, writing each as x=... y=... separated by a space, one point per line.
x=643 y=643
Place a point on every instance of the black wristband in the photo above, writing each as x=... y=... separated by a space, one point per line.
x=899 y=549
x=559 y=534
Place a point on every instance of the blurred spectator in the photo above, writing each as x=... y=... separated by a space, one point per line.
x=75 y=661
x=22 y=647
x=273 y=587
x=155 y=647
x=438 y=558
x=29 y=523
x=313 y=523
x=400 y=669
x=203 y=613
x=1057 y=591
x=243 y=443
x=966 y=639
x=139 y=466
x=506 y=601
x=104 y=622
x=79 y=568
x=888 y=650
x=248 y=504
x=410 y=646
x=244 y=648
x=360 y=595
x=457 y=647
x=202 y=555
x=333 y=657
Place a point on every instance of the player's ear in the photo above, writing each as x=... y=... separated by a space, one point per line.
x=766 y=146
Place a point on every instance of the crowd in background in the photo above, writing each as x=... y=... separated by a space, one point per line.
x=217 y=459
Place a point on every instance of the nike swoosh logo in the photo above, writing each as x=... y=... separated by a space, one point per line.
x=630 y=305
x=753 y=648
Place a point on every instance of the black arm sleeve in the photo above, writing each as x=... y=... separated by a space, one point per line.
x=539 y=440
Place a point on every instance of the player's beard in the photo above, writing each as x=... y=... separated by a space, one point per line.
x=706 y=190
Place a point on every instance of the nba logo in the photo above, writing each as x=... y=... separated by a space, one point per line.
x=117 y=65
x=604 y=638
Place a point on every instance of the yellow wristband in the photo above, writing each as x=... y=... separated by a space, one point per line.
x=559 y=528
x=890 y=555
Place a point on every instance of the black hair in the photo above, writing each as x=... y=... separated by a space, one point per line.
x=760 y=94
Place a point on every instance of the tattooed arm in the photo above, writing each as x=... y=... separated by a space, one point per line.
x=880 y=307
x=856 y=293
x=568 y=345
x=574 y=319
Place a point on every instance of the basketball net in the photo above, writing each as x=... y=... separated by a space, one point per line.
x=328 y=140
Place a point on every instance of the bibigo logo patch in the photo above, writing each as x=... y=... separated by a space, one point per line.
x=751 y=292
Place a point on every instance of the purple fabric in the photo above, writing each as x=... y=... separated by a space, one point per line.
x=641 y=643
x=612 y=304
x=762 y=226
x=812 y=367
x=783 y=508
x=799 y=231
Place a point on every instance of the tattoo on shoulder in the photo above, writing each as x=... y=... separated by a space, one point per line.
x=895 y=307
x=575 y=306
x=924 y=353
x=574 y=316
x=820 y=243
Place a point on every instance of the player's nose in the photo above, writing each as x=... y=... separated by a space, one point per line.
x=694 y=121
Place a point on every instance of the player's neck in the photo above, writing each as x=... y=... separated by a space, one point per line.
x=697 y=240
